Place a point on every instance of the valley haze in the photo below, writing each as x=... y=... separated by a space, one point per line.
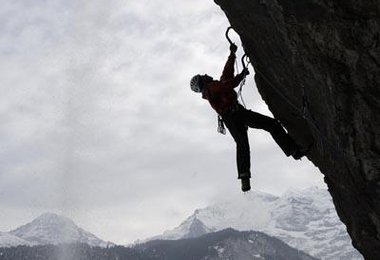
x=303 y=219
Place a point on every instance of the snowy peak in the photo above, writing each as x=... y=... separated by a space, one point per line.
x=295 y=210
x=54 y=229
x=192 y=227
x=53 y=219
x=222 y=245
x=304 y=219
x=46 y=227
x=9 y=240
x=196 y=229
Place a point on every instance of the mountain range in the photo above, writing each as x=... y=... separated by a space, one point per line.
x=304 y=219
x=221 y=245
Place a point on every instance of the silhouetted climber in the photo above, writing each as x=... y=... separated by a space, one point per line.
x=223 y=99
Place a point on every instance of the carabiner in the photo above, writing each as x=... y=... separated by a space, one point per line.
x=245 y=61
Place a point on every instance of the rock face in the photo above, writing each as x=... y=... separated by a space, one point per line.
x=317 y=65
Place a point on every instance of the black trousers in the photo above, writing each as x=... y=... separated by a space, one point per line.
x=238 y=122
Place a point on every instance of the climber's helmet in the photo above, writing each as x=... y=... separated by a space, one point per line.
x=198 y=82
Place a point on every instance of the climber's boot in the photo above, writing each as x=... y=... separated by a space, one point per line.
x=300 y=152
x=245 y=184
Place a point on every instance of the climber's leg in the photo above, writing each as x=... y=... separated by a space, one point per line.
x=238 y=131
x=256 y=120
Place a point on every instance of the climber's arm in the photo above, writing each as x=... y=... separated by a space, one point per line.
x=228 y=71
x=234 y=82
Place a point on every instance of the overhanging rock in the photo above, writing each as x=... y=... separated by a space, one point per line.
x=317 y=66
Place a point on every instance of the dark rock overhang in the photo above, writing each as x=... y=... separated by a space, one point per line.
x=317 y=65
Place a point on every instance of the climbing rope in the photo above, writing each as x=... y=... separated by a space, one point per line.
x=307 y=116
x=245 y=62
x=305 y=109
x=305 y=112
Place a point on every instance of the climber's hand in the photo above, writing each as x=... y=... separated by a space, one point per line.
x=233 y=48
x=245 y=72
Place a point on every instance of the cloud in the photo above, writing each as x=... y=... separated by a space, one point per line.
x=98 y=121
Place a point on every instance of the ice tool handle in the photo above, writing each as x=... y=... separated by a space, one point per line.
x=228 y=38
x=245 y=59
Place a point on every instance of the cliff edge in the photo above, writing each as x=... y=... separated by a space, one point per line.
x=317 y=65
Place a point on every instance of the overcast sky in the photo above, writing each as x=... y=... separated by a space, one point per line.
x=97 y=120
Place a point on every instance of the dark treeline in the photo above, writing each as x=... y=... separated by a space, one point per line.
x=225 y=244
x=70 y=252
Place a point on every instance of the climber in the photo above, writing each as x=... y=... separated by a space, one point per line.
x=223 y=99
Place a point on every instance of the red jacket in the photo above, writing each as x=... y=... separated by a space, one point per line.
x=221 y=93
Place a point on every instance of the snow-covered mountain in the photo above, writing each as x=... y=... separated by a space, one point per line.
x=190 y=228
x=49 y=228
x=222 y=245
x=9 y=240
x=305 y=219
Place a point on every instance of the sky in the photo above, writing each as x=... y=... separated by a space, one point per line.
x=98 y=122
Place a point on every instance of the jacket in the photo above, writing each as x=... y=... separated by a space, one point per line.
x=220 y=93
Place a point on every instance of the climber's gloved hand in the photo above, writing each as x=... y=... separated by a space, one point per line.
x=245 y=72
x=233 y=48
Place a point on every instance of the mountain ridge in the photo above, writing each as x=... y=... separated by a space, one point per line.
x=303 y=219
x=50 y=228
x=222 y=245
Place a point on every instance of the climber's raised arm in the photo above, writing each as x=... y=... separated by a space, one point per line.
x=228 y=71
x=235 y=81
